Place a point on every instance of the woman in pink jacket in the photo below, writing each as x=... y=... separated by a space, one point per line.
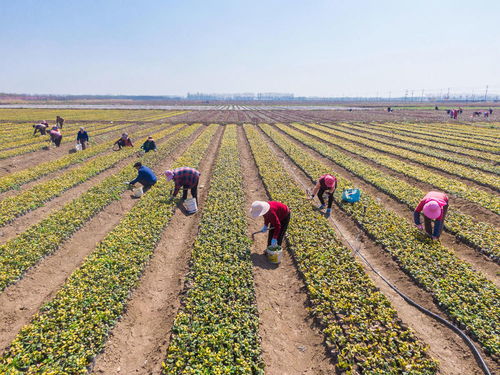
x=434 y=207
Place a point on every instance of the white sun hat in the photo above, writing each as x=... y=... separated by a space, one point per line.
x=259 y=208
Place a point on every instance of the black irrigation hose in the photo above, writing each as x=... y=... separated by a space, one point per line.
x=448 y=324
x=441 y=320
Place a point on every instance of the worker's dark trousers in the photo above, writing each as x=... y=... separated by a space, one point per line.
x=320 y=197
x=428 y=223
x=83 y=143
x=194 y=192
x=146 y=185
x=57 y=141
x=284 y=227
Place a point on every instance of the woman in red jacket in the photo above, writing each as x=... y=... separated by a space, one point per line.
x=434 y=207
x=276 y=216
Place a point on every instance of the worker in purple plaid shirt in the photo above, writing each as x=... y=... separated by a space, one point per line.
x=184 y=177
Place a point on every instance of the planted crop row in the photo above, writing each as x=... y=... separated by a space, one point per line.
x=482 y=236
x=81 y=114
x=434 y=144
x=161 y=116
x=456 y=187
x=408 y=143
x=361 y=328
x=16 y=179
x=37 y=195
x=472 y=174
x=66 y=139
x=216 y=330
x=23 y=251
x=413 y=132
x=72 y=328
x=465 y=295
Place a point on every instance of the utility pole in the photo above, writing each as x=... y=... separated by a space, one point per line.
x=486 y=93
x=422 y=97
x=448 y=94
x=411 y=95
x=406 y=94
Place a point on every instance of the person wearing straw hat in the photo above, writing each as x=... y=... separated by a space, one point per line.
x=145 y=176
x=124 y=141
x=276 y=216
x=326 y=183
x=82 y=138
x=186 y=178
x=434 y=206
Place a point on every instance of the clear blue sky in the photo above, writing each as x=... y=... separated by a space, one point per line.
x=316 y=47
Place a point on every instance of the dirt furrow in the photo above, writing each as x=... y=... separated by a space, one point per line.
x=476 y=259
x=291 y=343
x=138 y=343
x=444 y=345
x=18 y=302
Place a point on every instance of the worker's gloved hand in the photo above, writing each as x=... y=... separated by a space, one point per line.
x=274 y=242
x=264 y=229
x=420 y=226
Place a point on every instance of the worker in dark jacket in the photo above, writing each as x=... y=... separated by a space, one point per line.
x=186 y=178
x=146 y=177
x=276 y=216
x=59 y=122
x=434 y=207
x=82 y=138
x=149 y=145
x=124 y=141
x=326 y=183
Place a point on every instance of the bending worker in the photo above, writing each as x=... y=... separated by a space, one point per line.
x=124 y=141
x=145 y=176
x=326 y=183
x=186 y=178
x=276 y=216
x=82 y=138
x=434 y=207
x=149 y=145
x=41 y=128
x=56 y=136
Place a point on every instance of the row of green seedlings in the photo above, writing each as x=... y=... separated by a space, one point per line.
x=16 y=179
x=216 y=330
x=449 y=185
x=481 y=178
x=470 y=299
x=28 y=138
x=429 y=135
x=410 y=144
x=362 y=330
x=37 y=195
x=162 y=116
x=434 y=144
x=79 y=114
x=71 y=329
x=66 y=139
x=22 y=252
x=483 y=237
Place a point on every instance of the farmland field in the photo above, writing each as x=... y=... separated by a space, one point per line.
x=95 y=281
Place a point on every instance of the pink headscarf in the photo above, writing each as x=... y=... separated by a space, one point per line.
x=169 y=174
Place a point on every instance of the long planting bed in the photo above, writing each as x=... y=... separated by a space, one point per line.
x=25 y=250
x=482 y=236
x=408 y=143
x=434 y=144
x=456 y=187
x=38 y=195
x=362 y=330
x=482 y=178
x=464 y=294
x=73 y=327
x=16 y=179
x=216 y=330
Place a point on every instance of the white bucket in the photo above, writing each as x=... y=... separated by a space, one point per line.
x=78 y=147
x=190 y=205
x=138 y=192
x=274 y=256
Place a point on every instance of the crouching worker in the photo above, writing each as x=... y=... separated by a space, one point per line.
x=276 y=216
x=326 y=184
x=56 y=136
x=124 y=141
x=186 y=178
x=146 y=177
x=149 y=145
x=40 y=128
x=434 y=207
